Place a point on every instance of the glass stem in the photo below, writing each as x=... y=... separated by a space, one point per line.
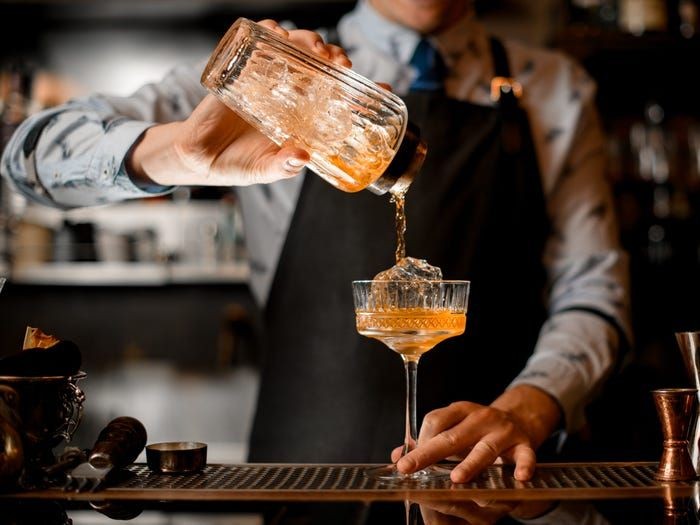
x=411 y=367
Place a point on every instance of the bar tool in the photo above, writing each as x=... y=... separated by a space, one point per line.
x=689 y=343
x=676 y=408
x=117 y=446
x=177 y=457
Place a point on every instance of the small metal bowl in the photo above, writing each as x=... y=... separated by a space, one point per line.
x=177 y=457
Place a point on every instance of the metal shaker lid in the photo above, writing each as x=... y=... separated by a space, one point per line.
x=404 y=166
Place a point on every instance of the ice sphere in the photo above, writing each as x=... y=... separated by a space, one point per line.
x=410 y=283
x=410 y=269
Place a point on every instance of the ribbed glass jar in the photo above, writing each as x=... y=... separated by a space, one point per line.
x=351 y=127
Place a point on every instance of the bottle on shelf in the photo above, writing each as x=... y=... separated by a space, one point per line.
x=643 y=16
x=688 y=18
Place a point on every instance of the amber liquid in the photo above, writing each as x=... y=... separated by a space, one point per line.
x=348 y=176
x=411 y=331
x=399 y=200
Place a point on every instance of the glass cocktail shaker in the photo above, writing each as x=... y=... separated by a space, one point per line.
x=357 y=133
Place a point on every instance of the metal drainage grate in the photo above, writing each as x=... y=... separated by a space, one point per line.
x=330 y=478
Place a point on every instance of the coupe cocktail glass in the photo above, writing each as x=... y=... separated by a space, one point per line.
x=410 y=317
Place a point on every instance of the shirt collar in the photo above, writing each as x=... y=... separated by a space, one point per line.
x=399 y=42
x=385 y=35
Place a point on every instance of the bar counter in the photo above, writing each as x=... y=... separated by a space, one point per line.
x=595 y=493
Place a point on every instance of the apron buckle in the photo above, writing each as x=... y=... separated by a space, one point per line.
x=501 y=85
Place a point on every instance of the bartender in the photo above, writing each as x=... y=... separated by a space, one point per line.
x=512 y=197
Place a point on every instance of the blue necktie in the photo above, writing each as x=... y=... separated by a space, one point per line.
x=430 y=67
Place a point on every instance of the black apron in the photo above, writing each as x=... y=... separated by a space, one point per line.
x=477 y=211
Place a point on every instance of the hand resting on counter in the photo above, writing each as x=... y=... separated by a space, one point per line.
x=510 y=429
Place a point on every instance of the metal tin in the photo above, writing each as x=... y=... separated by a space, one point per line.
x=176 y=457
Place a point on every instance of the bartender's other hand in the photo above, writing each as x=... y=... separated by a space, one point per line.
x=510 y=429
x=216 y=147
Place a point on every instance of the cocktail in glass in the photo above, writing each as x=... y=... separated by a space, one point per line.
x=410 y=317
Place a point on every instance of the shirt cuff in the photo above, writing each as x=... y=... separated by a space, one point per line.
x=117 y=143
x=557 y=380
x=151 y=188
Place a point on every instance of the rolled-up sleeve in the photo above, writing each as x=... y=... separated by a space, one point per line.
x=588 y=327
x=73 y=155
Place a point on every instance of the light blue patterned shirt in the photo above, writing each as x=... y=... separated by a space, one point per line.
x=73 y=155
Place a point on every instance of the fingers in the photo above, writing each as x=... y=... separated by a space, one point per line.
x=338 y=55
x=384 y=85
x=314 y=42
x=272 y=25
x=483 y=454
x=311 y=41
x=484 y=434
x=396 y=454
x=444 y=432
x=443 y=418
x=525 y=460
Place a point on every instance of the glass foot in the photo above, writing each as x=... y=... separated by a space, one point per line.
x=391 y=473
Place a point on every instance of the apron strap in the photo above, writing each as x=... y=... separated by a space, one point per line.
x=501 y=67
x=505 y=91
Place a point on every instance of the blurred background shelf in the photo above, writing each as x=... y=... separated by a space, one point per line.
x=128 y=274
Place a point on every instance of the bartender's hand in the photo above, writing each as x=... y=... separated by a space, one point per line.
x=215 y=147
x=510 y=429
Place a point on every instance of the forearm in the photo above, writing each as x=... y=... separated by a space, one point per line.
x=71 y=156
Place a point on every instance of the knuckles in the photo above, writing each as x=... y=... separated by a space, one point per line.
x=487 y=416
x=509 y=428
x=451 y=438
x=432 y=420
x=462 y=406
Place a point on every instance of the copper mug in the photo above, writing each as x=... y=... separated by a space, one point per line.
x=42 y=411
